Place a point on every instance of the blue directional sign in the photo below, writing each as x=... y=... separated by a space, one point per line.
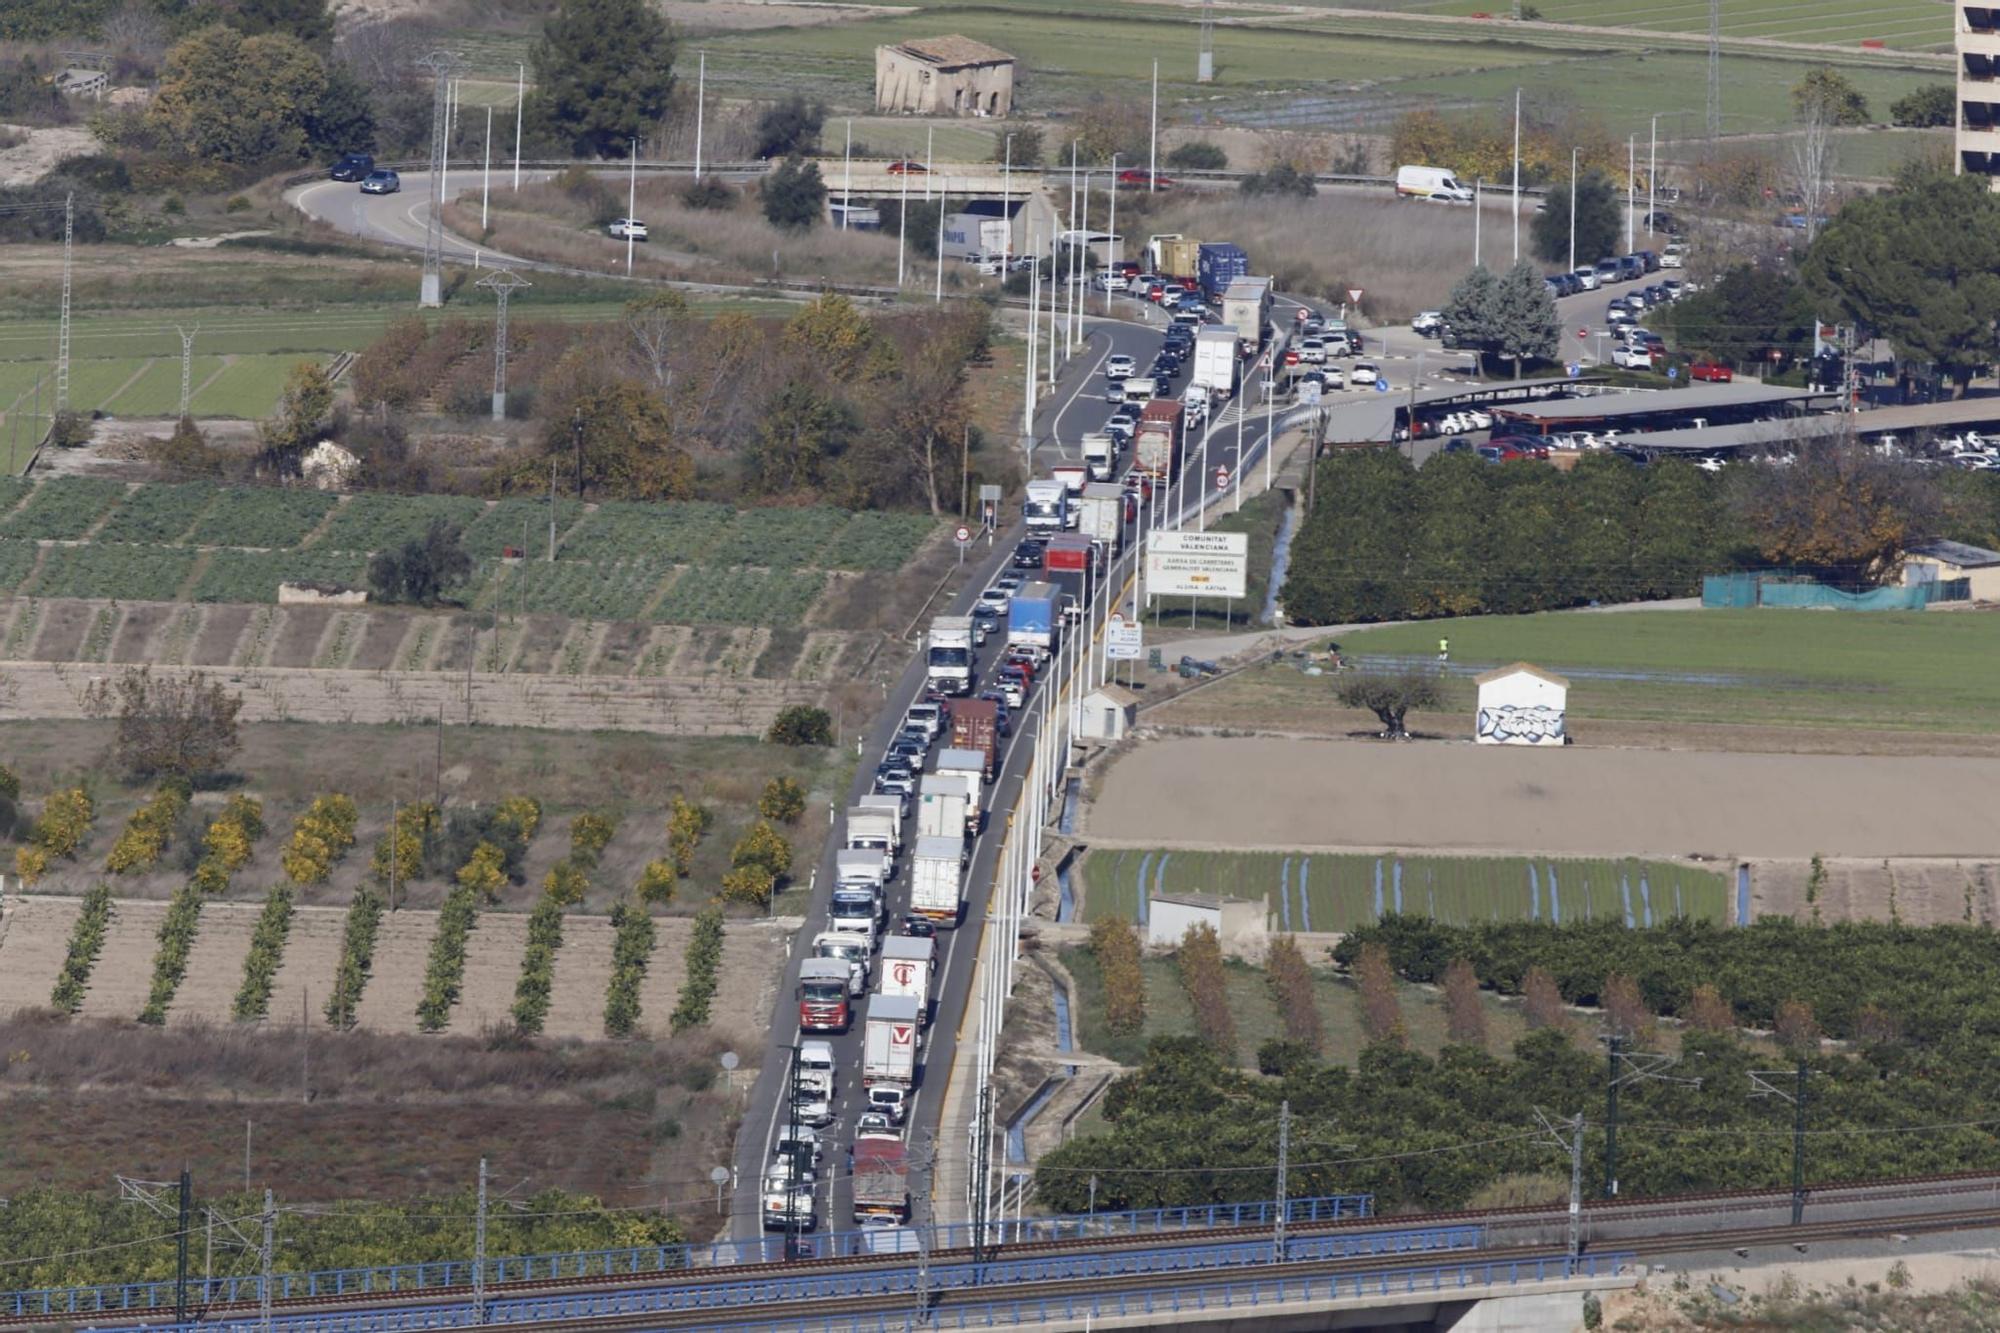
x=1575 y=369
x=1673 y=372
x=1381 y=386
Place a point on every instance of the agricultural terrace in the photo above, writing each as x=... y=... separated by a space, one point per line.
x=1305 y=891
x=1915 y=24
x=683 y=563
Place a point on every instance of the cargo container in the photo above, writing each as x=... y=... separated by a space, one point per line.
x=1031 y=615
x=1173 y=255
x=1072 y=476
x=1217 y=358
x=946 y=808
x=825 y=985
x=975 y=726
x=969 y=768
x=950 y=666
x=861 y=868
x=1246 y=307
x=1071 y=550
x=1156 y=442
x=937 y=875
x=872 y=829
x=881 y=1179
x=1221 y=264
x=890 y=1039
x=1101 y=514
x=907 y=964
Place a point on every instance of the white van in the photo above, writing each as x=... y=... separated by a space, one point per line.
x=1433 y=183
x=1139 y=389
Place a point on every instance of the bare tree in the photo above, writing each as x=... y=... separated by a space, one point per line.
x=656 y=322
x=1542 y=1001
x=181 y=726
x=1381 y=1011
x=1464 y=1013
x=1810 y=162
x=1707 y=1011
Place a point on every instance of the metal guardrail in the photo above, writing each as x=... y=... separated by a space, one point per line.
x=643 y=1261
x=1440 y=1279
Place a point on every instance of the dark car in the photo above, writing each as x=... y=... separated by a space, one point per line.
x=921 y=926
x=353 y=167
x=381 y=182
x=1457 y=444
x=1661 y=221
x=1028 y=555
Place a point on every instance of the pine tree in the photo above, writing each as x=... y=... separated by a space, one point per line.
x=604 y=70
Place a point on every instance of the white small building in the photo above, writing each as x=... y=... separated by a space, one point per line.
x=1238 y=923
x=1109 y=712
x=1521 y=705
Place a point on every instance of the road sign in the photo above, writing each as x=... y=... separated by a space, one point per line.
x=1575 y=369
x=1582 y=334
x=1309 y=393
x=1222 y=479
x=963 y=535
x=1124 y=640
x=1381 y=384
x=1673 y=372
x=1197 y=564
x=1354 y=296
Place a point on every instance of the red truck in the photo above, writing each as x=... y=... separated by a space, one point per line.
x=1156 y=442
x=1068 y=550
x=975 y=725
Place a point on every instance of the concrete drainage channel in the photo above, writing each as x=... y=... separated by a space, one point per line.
x=1017 y=1128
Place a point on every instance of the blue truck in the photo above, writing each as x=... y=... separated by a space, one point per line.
x=1031 y=615
x=1219 y=265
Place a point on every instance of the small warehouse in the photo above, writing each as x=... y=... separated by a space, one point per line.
x=1238 y=923
x=1947 y=562
x=1109 y=712
x=1521 y=705
x=944 y=76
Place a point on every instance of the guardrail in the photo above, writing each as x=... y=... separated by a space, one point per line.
x=643 y=1261
x=1247 y=1293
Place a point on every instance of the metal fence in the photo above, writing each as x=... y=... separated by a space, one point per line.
x=642 y=1261
x=1801 y=591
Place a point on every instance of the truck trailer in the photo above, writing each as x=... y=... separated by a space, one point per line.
x=1100 y=455
x=1156 y=443
x=890 y=1039
x=1220 y=264
x=937 y=879
x=1217 y=357
x=907 y=964
x=975 y=725
x=881 y=1177
x=949 y=804
x=1101 y=514
x=1031 y=615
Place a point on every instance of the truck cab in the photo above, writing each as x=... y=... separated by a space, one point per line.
x=1045 y=507
x=852 y=950
x=826 y=985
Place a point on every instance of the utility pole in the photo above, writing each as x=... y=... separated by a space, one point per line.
x=1153 y=139
x=305 y=1048
x=486 y=172
x=440 y=63
x=631 y=207
x=982 y=1132
x=701 y=97
x=1629 y=1067
x=181 y=1249
x=1567 y=1133
x=520 y=103
x=1282 y=1204
x=942 y=199
x=1714 y=70
x=503 y=284
x=1517 y=175
x=1204 y=61
x=479 y=1252
x=62 y=331
x=1762 y=1086
x=1572 y=208
x=264 y=1283
x=1631 y=187
x=187 y=365
x=1111 y=254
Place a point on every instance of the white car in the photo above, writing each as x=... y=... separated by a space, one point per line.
x=1336 y=378
x=1313 y=352
x=1170 y=299
x=622 y=229
x=1633 y=356
x=997 y=598
x=1120 y=367
x=1587 y=278
x=890 y=1100
x=1426 y=320
x=1363 y=373
x=1112 y=282
x=1194 y=407
x=1673 y=256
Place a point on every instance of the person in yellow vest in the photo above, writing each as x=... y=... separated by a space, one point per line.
x=1444 y=651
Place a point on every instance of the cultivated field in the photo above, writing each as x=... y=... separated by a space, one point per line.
x=1267 y=793
x=1897 y=23
x=1325 y=892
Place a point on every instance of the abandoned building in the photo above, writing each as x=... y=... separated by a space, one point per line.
x=944 y=76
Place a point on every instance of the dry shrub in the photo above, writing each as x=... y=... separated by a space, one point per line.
x=1542 y=1001
x=1875 y=1026
x=1464 y=1013
x=1797 y=1029
x=1625 y=1012
x=1381 y=1011
x=1707 y=1011
x=1115 y=945
x=1207 y=988
x=1292 y=992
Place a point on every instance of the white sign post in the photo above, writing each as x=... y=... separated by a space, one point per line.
x=1198 y=564
x=1124 y=640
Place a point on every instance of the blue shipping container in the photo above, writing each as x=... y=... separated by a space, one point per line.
x=1220 y=264
x=1031 y=614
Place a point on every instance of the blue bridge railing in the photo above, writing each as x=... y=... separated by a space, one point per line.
x=643 y=1261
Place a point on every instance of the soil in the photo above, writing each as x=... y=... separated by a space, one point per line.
x=1267 y=792
x=28 y=161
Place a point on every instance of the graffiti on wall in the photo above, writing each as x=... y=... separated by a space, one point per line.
x=1514 y=724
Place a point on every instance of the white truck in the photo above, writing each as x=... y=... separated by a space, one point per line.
x=859 y=869
x=944 y=810
x=890 y=1039
x=1100 y=455
x=855 y=910
x=937 y=877
x=1246 y=307
x=1101 y=514
x=969 y=766
x=1215 y=361
x=950 y=666
x=907 y=964
x=873 y=828
x=1045 y=507
x=849 y=949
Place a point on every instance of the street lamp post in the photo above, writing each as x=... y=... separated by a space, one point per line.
x=1572 y=208
x=631 y=203
x=847 y=176
x=1007 y=212
x=1111 y=246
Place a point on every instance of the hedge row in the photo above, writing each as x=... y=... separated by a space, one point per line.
x=148 y=832
x=704 y=967
x=86 y=941
x=357 y=954
x=320 y=837
x=538 y=964
x=631 y=947
x=1115 y=945
x=59 y=833
x=170 y=960
x=267 y=950
x=444 y=975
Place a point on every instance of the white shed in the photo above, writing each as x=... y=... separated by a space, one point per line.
x=1108 y=713
x=1239 y=922
x=1521 y=705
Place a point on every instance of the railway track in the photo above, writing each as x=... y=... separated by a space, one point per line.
x=1602 y=1218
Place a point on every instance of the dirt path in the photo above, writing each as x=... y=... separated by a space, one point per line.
x=215 y=964
x=123 y=975
x=492 y=966
x=312 y=954
x=751 y=950
x=34 y=937
x=1257 y=791
x=661 y=990
x=583 y=970
x=396 y=978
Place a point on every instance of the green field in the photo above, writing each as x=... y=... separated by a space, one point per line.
x=1320 y=891
x=702 y=564
x=1899 y=23
x=1932 y=671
